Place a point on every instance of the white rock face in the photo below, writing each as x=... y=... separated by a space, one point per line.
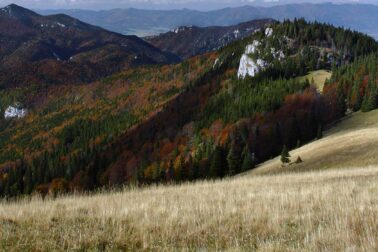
x=252 y=48
x=61 y=25
x=236 y=33
x=247 y=65
x=268 y=32
x=216 y=63
x=181 y=29
x=13 y=112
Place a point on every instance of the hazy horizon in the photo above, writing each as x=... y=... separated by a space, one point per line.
x=163 y=4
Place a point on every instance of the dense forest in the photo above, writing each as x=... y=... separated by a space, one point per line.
x=193 y=120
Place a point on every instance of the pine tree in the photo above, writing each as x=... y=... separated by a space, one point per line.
x=216 y=163
x=248 y=162
x=372 y=101
x=364 y=105
x=28 y=181
x=341 y=105
x=285 y=156
x=319 y=134
x=183 y=171
x=233 y=160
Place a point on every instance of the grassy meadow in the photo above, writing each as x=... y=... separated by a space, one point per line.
x=332 y=210
x=319 y=77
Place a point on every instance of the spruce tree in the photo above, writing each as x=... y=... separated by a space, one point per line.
x=364 y=105
x=216 y=163
x=183 y=171
x=285 y=156
x=28 y=181
x=372 y=101
x=248 y=162
x=319 y=134
x=233 y=160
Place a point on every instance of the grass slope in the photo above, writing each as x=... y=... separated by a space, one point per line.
x=348 y=144
x=319 y=77
x=332 y=210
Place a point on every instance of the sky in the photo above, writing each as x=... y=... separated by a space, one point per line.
x=158 y=4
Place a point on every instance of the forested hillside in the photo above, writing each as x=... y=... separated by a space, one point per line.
x=210 y=116
x=358 y=82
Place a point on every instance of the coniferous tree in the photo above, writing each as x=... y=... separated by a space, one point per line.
x=285 y=156
x=364 y=105
x=319 y=134
x=216 y=163
x=28 y=180
x=248 y=162
x=372 y=101
x=233 y=160
x=182 y=170
x=341 y=105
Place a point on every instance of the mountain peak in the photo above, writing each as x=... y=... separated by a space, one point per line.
x=16 y=11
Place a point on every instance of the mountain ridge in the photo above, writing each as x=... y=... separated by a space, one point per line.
x=33 y=42
x=188 y=41
x=360 y=17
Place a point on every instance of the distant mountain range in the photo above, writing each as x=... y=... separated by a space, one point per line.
x=61 y=49
x=188 y=41
x=361 y=17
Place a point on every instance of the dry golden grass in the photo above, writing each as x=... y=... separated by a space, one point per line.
x=332 y=210
x=352 y=143
x=319 y=77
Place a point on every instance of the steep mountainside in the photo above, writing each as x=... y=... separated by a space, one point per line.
x=59 y=48
x=360 y=17
x=210 y=116
x=188 y=41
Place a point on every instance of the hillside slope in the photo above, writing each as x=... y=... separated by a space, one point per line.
x=348 y=144
x=39 y=49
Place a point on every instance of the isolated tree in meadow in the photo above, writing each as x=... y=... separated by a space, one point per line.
x=299 y=160
x=285 y=156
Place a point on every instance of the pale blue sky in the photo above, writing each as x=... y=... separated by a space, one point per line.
x=157 y=4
